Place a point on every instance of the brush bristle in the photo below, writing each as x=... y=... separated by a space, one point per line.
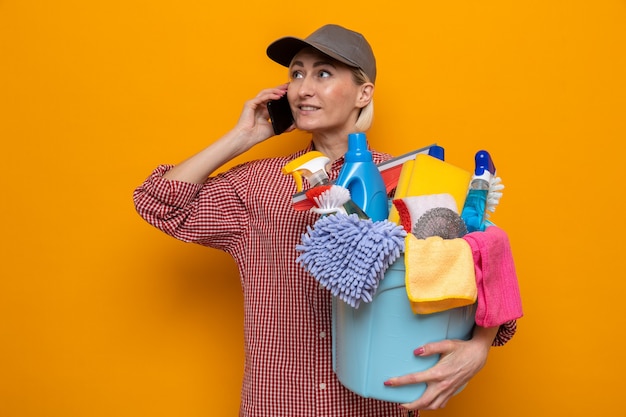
x=332 y=200
x=493 y=195
x=313 y=194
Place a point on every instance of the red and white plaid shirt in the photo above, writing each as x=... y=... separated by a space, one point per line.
x=247 y=212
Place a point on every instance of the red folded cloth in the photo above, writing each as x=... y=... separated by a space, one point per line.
x=498 y=298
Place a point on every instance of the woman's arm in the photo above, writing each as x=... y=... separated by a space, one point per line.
x=252 y=128
x=171 y=197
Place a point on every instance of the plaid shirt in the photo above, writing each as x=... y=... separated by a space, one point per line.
x=246 y=211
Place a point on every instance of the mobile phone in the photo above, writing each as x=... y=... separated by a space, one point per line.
x=280 y=114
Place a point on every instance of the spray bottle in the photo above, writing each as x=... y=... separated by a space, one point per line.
x=312 y=165
x=474 y=209
x=361 y=177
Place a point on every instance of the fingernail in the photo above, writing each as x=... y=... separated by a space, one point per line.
x=418 y=351
x=388 y=383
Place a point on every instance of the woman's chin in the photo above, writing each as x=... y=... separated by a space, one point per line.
x=306 y=126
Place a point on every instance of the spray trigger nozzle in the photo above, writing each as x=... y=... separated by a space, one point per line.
x=484 y=163
x=311 y=165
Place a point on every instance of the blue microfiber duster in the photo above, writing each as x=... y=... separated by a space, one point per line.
x=349 y=255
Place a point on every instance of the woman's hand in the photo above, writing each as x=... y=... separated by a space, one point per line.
x=460 y=360
x=254 y=120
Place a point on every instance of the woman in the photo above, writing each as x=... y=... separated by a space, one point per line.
x=246 y=212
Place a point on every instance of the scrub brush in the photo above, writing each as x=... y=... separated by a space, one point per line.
x=331 y=199
x=493 y=195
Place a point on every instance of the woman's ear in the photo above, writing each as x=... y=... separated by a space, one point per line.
x=366 y=93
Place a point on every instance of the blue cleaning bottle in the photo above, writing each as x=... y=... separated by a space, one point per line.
x=361 y=177
x=473 y=213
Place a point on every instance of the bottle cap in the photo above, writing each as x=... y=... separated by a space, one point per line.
x=357 y=148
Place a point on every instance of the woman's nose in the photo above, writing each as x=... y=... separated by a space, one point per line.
x=306 y=87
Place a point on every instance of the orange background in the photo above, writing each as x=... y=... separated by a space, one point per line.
x=102 y=315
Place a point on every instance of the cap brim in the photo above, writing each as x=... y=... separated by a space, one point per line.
x=283 y=50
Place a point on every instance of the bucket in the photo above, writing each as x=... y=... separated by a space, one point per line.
x=376 y=341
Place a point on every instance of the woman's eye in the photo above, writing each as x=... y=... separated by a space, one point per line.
x=324 y=74
x=296 y=74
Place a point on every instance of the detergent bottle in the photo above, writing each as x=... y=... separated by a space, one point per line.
x=474 y=209
x=361 y=177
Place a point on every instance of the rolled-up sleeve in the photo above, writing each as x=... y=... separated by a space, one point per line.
x=505 y=333
x=211 y=214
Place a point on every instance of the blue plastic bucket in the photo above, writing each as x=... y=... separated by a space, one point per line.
x=376 y=341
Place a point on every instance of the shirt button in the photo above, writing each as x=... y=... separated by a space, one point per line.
x=322 y=386
x=322 y=335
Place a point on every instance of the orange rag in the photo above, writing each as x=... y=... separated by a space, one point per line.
x=439 y=274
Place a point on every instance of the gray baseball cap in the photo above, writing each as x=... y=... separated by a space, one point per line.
x=344 y=45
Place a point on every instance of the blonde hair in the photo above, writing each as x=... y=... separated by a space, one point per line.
x=366 y=115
